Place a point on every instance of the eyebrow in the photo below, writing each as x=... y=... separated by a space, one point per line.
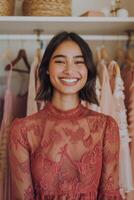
x=63 y=56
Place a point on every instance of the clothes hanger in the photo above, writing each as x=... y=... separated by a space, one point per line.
x=105 y=54
x=21 y=55
x=113 y=71
x=38 y=51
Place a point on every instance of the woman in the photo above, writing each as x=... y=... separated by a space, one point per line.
x=65 y=151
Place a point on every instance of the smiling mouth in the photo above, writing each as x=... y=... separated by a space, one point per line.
x=69 y=81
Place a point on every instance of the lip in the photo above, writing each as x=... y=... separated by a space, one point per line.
x=69 y=77
x=69 y=81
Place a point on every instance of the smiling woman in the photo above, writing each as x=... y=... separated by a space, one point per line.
x=68 y=72
x=69 y=53
x=65 y=151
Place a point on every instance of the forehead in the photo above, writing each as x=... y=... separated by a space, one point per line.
x=68 y=48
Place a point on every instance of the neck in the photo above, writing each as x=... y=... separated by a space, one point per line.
x=66 y=102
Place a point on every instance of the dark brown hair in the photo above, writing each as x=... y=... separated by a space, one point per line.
x=87 y=93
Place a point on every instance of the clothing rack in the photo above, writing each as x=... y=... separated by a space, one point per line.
x=33 y=37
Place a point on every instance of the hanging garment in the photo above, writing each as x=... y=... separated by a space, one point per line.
x=131 y=122
x=31 y=103
x=131 y=107
x=14 y=106
x=4 y=131
x=120 y=57
x=127 y=76
x=106 y=98
x=118 y=97
x=50 y=160
x=2 y=92
x=113 y=104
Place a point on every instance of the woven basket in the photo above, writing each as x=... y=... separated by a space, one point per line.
x=7 y=7
x=47 y=7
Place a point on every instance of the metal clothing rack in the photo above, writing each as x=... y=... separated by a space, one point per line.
x=39 y=36
x=32 y=37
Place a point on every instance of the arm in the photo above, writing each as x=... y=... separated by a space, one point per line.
x=21 y=182
x=109 y=182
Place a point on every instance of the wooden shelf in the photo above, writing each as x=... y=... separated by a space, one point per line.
x=52 y=25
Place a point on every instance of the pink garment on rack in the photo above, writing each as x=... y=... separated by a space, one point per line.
x=127 y=76
x=106 y=98
x=31 y=102
x=131 y=108
x=112 y=103
x=131 y=122
x=118 y=97
x=91 y=106
x=14 y=106
x=1 y=109
x=19 y=105
x=6 y=122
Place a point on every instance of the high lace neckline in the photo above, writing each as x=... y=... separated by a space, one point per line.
x=74 y=113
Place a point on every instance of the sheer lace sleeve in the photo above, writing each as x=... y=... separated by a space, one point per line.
x=109 y=182
x=21 y=182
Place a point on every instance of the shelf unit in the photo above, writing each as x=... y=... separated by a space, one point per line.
x=80 y=25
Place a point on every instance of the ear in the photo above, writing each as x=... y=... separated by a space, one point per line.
x=47 y=72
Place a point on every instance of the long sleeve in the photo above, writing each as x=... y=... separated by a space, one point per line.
x=21 y=182
x=109 y=182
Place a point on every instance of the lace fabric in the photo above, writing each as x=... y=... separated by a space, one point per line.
x=64 y=155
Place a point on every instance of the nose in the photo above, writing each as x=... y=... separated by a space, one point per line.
x=69 y=67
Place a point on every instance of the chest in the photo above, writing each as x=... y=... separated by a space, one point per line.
x=73 y=140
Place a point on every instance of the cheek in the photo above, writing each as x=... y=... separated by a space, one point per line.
x=84 y=72
x=52 y=71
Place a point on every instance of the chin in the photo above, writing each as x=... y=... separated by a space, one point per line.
x=69 y=91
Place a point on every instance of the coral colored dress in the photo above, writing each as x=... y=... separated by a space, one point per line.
x=64 y=155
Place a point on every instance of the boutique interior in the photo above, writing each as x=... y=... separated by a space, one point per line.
x=108 y=27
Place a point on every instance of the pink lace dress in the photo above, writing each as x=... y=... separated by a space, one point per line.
x=64 y=155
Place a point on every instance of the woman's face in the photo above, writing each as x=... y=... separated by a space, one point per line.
x=67 y=69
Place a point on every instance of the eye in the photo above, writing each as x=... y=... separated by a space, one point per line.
x=60 y=61
x=79 y=62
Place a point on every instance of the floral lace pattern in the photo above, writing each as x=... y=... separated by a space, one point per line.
x=64 y=155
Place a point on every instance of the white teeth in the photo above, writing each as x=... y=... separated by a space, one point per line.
x=69 y=80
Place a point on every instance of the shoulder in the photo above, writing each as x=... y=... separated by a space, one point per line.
x=108 y=120
x=111 y=123
x=111 y=137
x=107 y=127
x=112 y=129
x=101 y=122
x=21 y=127
x=95 y=116
x=29 y=121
